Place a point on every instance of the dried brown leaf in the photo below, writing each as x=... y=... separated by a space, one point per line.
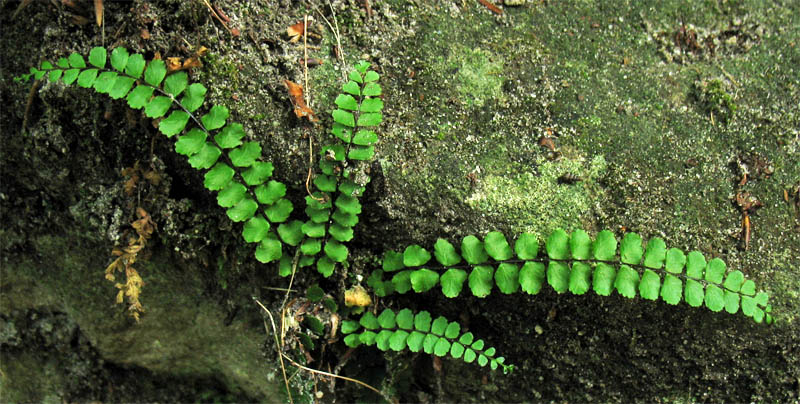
x=98 y=12
x=296 y=96
x=295 y=31
x=173 y=63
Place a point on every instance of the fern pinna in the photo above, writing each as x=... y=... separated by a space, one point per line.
x=236 y=171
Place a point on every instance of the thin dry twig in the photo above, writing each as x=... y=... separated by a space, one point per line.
x=336 y=34
x=307 y=93
x=307 y=369
x=29 y=103
x=279 y=345
x=310 y=165
x=22 y=4
x=492 y=7
x=368 y=7
x=217 y=16
x=291 y=280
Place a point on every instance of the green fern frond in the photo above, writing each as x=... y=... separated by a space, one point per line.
x=419 y=333
x=334 y=208
x=234 y=168
x=574 y=263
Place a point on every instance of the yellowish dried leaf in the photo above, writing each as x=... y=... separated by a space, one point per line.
x=173 y=63
x=98 y=12
x=357 y=296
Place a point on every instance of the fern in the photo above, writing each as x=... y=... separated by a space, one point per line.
x=574 y=263
x=418 y=333
x=235 y=169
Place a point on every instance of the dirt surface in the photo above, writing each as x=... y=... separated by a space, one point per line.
x=656 y=110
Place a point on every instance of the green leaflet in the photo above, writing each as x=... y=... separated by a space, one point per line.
x=715 y=270
x=245 y=155
x=231 y=194
x=401 y=281
x=351 y=87
x=258 y=172
x=193 y=97
x=76 y=61
x=580 y=278
x=531 y=277
x=205 y=157
x=256 y=229
x=175 y=83
x=655 y=253
x=347 y=102
x=243 y=210
x=369 y=119
x=310 y=246
x=134 y=66
x=672 y=289
x=423 y=280
x=157 y=107
x=191 y=142
x=269 y=249
x=312 y=229
x=336 y=251
x=279 y=211
x=291 y=232
x=527 y=246
x=580 y=244
x=270 y=192
x=603 y=279
x=70 y=76
x=156 y=70
x=341 y=233
x=326 y=266
x=344 y=118
x=445 y=253
x=230 y=136
x=119 y=59
x=557 y=245
x=415 y=255
x=139 y=97
x=626 y=282
x=122 y=85
x=496 y=246
x=480 y=280
x=174 y=123
x=86 y=78
x=452 y=281
x=675 y=260
x=215 y=118
x=558 y=276
x=630 y=249
x=97 y=57
x=650 y=285
x=392 y=261
x=218 y=177
x=472 y=250
x=105 y=82
x=507 y=278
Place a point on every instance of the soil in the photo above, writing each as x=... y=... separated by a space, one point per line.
x=652 y=115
